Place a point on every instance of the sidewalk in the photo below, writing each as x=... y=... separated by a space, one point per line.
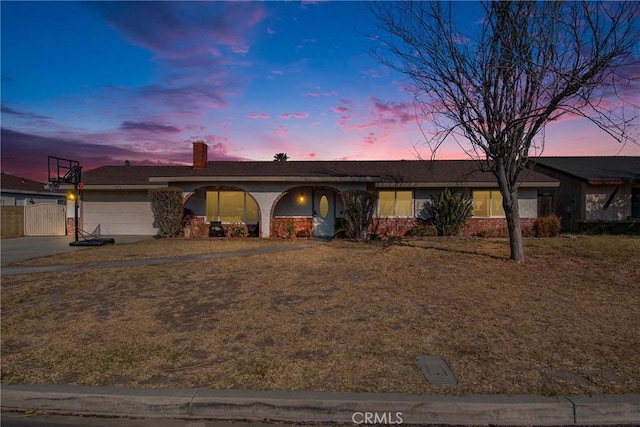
x=323 y=407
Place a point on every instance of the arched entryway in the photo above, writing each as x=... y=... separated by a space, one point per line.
x=225 y=204
x=306 y=211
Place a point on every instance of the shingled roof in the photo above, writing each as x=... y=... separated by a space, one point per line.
x=596 y=169
x=380 y=171
x=12 y=183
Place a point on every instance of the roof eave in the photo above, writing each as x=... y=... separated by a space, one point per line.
x=612 y=181
x=32 y=193
x=115 y=186
x=264 y=179
x=470 y=184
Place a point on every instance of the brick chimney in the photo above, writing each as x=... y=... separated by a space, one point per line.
x=199 y=155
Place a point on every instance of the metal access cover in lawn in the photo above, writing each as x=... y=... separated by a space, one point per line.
x=436 y=371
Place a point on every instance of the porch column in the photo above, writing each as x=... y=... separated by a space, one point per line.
x=265 y=201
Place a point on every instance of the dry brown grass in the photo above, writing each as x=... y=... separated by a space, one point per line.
x=342 y=316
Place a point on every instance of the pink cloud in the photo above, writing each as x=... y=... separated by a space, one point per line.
x=382 y=115
x=370 y=138
x=285 y=116
x=258 y=116
x=393 y=112
x=301 y=115
x=281 y=131
x=173 y=28
x=150 y=127
x=314 y=94
x=340 y=109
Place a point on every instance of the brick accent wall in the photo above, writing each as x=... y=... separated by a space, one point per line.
x=303 y=226
x=401 y=226
x=71 y=226
x=196 y=228
x=476 y=225
x=392 y=226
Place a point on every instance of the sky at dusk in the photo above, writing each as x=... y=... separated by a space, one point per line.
x=105 y=82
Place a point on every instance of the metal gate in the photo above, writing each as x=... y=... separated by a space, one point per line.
x=45 y=219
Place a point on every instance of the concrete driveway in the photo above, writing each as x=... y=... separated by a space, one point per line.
x=24 y=248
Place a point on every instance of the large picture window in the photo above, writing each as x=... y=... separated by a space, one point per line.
x=392 y=204
x=487 y=203
x=231 y=206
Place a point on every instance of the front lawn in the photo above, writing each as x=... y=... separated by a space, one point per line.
x=342 y=316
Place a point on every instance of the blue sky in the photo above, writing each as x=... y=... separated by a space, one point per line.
x=104 y=82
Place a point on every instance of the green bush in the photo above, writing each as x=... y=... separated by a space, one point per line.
x=449 y=212
x=547 y=226
x=166 y=205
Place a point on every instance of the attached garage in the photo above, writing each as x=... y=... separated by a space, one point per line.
x=117 y=213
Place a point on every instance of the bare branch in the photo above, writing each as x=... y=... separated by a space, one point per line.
x=527 y=64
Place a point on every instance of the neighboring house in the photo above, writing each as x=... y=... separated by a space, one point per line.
x=593 y=188
x=17 y=191
x=269 y=195
x=28 y=209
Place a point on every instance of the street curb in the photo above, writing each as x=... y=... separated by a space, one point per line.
x=323 y=406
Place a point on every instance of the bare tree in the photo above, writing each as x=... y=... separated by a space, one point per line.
x=527 y=64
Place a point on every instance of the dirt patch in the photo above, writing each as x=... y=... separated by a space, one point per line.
x=342 y=316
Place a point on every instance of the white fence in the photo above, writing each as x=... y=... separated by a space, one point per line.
x=45 y=219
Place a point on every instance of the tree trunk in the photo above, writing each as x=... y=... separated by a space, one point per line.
x=513 y=224
x=511 y=212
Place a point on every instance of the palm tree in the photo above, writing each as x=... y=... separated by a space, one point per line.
x=280 y=157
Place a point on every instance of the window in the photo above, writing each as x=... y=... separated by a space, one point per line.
x=231 y=206
x=635 y=203
x=395 y=204
x=487 y=203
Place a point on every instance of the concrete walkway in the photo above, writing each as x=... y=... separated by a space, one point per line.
x=9 y=271
x=319 y=407
x=23 y=248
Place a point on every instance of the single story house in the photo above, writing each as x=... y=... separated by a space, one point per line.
x=268 y=195
x=17 y=191
x=593 y=189
x=28 y=209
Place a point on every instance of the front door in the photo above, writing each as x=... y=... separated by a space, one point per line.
x=323 y=213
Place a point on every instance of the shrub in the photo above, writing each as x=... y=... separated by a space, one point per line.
x=423 y=230
x=449 y=212
x=237 y=229
x=547 y=226
x=304 y=233
x=286 y=228
x=359 y=208
x=166 y=205
x=609 y=227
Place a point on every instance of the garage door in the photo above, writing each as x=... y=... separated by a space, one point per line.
x=110 y=213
